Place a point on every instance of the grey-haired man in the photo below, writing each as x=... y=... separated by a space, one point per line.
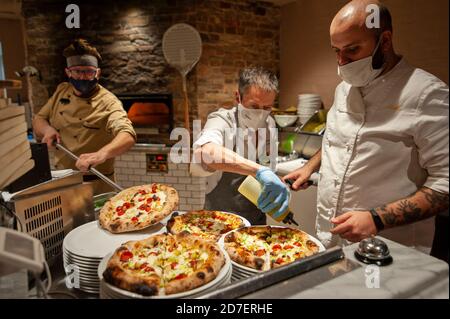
x=216 y=150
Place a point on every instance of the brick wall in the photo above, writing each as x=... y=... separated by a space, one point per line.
x=128 y=34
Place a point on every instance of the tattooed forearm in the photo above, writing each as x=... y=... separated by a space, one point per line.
x=421 y=205
x=438 y=201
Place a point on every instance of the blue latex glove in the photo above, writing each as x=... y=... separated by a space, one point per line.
x=275 y=194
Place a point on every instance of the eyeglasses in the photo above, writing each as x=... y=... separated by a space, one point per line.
x=83 y=73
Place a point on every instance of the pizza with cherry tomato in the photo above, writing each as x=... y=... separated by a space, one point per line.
x=210 y=225
x=164 y=264
x=265 y=247
x=138 y=207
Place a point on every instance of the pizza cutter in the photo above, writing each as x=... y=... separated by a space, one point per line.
x=91 y=169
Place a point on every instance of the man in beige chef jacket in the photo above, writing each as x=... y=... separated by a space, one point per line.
x=384 y=157
x=85 y=117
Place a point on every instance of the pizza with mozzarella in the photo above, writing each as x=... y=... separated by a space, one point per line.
x=265 y=247
x=210 y=225
x=138 y=207
x=164 y=264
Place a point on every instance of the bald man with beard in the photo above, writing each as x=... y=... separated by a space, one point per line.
x=384 y=158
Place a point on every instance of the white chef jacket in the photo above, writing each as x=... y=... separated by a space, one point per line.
x=214 y=131
x=382 y=143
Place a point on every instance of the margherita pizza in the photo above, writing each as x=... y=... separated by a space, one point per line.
x=138 y=207
x=266 y=247
x=210 y=225
x=164 y=264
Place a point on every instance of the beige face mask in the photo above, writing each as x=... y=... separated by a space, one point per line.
x=360 y=73
x=252 y=118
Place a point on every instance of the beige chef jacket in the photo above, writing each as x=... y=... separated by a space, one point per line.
x=85 y=124
x=214 y=131
x=382 y=143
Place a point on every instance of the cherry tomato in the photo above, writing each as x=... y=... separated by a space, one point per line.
x=180 y=276
x=260 y=252
x=143 y=266
x=126 y=255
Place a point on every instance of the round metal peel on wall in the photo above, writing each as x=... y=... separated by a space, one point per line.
x=182 y=49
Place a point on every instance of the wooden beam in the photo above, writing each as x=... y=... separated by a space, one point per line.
x=10 y=84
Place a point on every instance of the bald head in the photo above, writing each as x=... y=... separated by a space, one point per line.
x=357 y=13
x=357 y=29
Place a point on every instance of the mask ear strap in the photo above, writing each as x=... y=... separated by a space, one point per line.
x=378 y=44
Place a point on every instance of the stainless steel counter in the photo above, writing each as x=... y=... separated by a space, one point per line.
x=411 y=275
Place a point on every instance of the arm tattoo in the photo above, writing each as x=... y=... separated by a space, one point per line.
x=411 y=209
x=438 y=201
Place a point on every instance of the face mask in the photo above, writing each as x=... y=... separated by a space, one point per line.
x=252 y=118
x=84 y=86
x=360 y=73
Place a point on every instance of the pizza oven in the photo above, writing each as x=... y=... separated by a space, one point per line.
x=151 y=115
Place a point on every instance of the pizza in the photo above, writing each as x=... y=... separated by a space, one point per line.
x=164 y=264
x=265 y=247
x=138 y=207
x=210 y=225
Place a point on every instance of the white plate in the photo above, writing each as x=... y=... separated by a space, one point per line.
x=120 y=293
x=70 y=260
x=81 y=258
x=92 y=241
x=250 y=271
x=82 y=267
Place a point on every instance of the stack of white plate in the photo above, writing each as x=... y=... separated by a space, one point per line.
x=308 y=104
x=108 y=291
x=85 y=246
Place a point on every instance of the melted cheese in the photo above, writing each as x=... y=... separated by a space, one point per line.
x=135 y=211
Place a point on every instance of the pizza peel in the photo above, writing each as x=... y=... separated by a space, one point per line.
x=91 y=169
x=182 y=48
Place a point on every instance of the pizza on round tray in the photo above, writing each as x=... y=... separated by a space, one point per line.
x=266 y=247
x=209 y=225
x=164 y=264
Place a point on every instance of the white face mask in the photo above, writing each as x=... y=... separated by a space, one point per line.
x=360 y=73
x=252 y=118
